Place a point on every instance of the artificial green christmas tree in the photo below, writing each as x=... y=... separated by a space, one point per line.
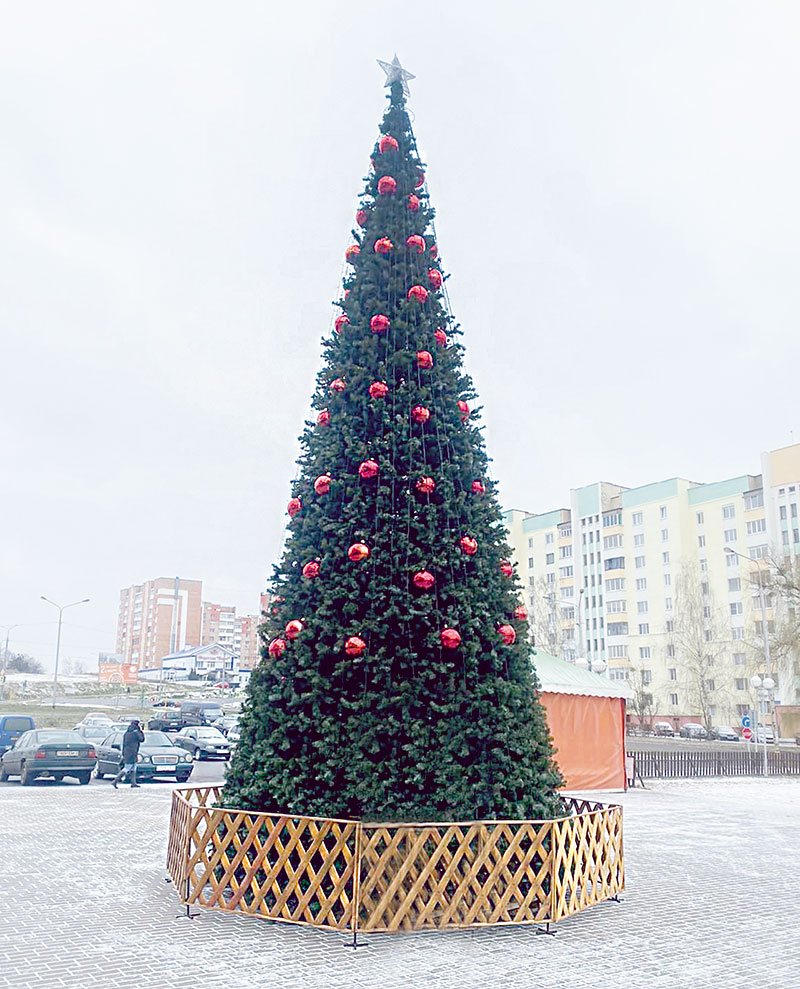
x=396 y=679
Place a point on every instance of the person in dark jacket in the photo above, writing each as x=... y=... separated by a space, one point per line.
x=131 y=740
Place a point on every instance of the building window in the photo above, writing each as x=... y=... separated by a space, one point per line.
x=673 y=699
x=641 y=607
x=639 y=562
x=741 y=683
x=782 y=512
x=614 y=518
x=641 y=583
x=644 y=652
x=617 y=652
x=704 y=589
x=550 y=559
x=638 y=539
x=672 y=673
x=739 y=659
x=710 y=685
x=565 y=552
x=667 y=580
x=565 y=571
x=612 y=542
x=670 y=627
x=759 y=552
x=793 y=510
x=737 y=633
x=704 y=566
x=665 y=559
x=706 y=611
x=728 y=511
x=664 y=535
x=615 y=563
x=615 y=607
x=756 y=525
x=663 y=511
x=530 y=563
x=551 y=578
x=671 y=651
x=667 y=604
x=700 y=518
x=548 y=538
x=736 y=608
x=647 y=676
x=617 y=628
x=730 y=535
x=615 y=584
x=637 y=518
x=731 y=560
x=701 y=541
x=754 y=500
x=530 y=542
x=734 y=584
x=644 y=628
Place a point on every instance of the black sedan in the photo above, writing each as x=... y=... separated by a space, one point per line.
x=159 y=758
x=204 y=742
x=724 y=733
x=692 y=730
x=49 y=752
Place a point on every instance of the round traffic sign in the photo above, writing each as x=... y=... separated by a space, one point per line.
x=745 y=722
x=747 y=734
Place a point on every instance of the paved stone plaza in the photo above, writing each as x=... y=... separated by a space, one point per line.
x=713 y=868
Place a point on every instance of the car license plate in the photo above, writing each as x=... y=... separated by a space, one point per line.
x=67 y=752
x=165 y=769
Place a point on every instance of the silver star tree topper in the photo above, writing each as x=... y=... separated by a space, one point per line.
x=396 y=73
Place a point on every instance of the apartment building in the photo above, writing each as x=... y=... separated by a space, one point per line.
x=158 y=617
x=647 y=582
x=220 y=626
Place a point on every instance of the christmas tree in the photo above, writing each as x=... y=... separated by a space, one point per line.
x=396 y=680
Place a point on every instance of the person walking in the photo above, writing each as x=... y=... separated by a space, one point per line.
x=131 y=740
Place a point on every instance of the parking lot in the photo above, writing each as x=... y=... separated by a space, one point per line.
x=711 y=902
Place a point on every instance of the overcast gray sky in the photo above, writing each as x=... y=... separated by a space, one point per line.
x=616 y=187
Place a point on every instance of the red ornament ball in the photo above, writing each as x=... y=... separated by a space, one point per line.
x=435 y=277
x=354 y=646
x=386 y=186
x=293 y=629
x=463 y=408
x=378 y=390
x=387 y=143
x=367 y=470
x=382 y=245
x=322 y=485
x=420 y=414
x=379 y=323
x=311 y=570
x=441 y=337
x=521 y=613
x=506 y=569
x=426 y=485
x=324 y=418
x=338 y=384
x=352 y=253
x=478 y=487
x=420 y=179
x=418 y=293
x=416 y=242
x=276 y=648
x=434 y=251
x=450 y=639
x=468 y=545
x=294 y=507
x=340 y=322
x=423 y=580
x=361 y=217
x=413 y=203
x=424 y=359
x=358 y=552
x=508 y=634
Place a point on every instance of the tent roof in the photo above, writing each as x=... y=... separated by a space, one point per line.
x=558 y=677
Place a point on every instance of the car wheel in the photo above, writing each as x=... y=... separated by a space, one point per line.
x=83 y=778
x=25 y=777
x=3 y=775
x=58 y=777
x=183 y=778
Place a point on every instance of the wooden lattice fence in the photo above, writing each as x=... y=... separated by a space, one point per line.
x=354 y=876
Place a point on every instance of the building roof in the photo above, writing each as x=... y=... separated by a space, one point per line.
x=197 y=650
x=558 y=677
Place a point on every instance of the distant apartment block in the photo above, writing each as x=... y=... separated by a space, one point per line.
x=158 y=617
x=219 y=625
x=641 y=578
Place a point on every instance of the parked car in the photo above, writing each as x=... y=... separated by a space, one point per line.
x=797 y=738
x=94 y=718
x=52 y=752
x=159 y=757
x=664 y=729
x=226 y=723
x=92 y=733
x=763 y=733
x=189 y=714
x=11 y=727
x=204 y=742
x=724 y=733
x=166 y=719
x=235 y=733
x=692 y=730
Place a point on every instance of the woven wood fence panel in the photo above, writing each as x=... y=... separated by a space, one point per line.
x=345 y=875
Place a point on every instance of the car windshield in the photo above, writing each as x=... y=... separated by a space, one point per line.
x=57 y=737
x=95 y=732
x=157 y=738
x=210 y=733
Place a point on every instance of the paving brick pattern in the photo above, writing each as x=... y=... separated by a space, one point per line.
x=713 y=868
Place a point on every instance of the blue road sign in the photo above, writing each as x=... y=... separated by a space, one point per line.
x=745 y=722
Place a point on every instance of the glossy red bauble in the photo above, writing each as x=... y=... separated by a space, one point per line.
x=521 y=613
x=354 y=646
x=338 y=384
x=367 y=470
x=387 y=143
x=420 y=414
x=418 y=293
x=358 y=552
x=423 y=580
x=463 y=408
x=506 y=569
x=340 y=322
x=420 y=179
x=311 y=570
x=382 y=245
x=508 y=634
x=294 y=507
x=379 y=323
x=324 y=418
x=434 y=251
x=468 y=545
x=426 y=485
x=293 y=629
x=450 y=639
x=322 y=485
x=441 y=338
x=424 y=359
x=386 y=186
x=478 y=487
x=361 y=217
x=378 y=390
x=416 y=242
x=352 y=253
x=435 y=277
x=413 y=203
x=276 y=648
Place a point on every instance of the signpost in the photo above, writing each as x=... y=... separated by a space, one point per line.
x=746 y=722
x=747 y=734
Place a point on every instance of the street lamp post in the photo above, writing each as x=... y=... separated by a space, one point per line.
x=61 y=609
x=764 y=686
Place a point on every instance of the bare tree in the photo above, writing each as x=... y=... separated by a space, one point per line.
x=642 y=702
x=547 y=616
